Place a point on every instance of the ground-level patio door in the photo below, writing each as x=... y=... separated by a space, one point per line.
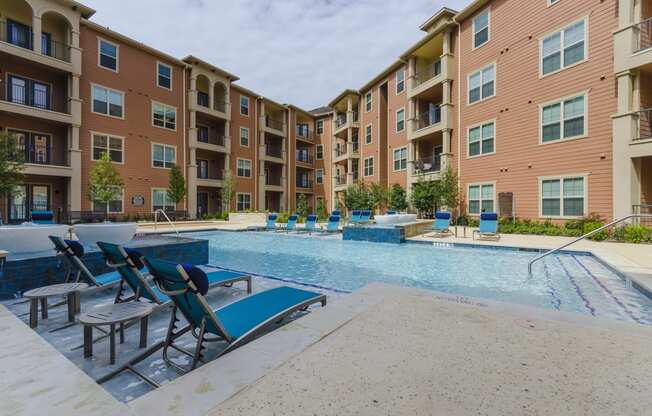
x=202 y=204
x=28 y=198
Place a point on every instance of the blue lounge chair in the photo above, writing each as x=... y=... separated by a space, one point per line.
x=336 y=213
x=271 y=222
x=390 y=213
x=233 y=324
x=291 y=225
x=333 y=225
x=311 y=224
x=129 y=266
x=355 y=216
x=365 y=217
x=488 y=227
x=43 y=217
x=441 y=226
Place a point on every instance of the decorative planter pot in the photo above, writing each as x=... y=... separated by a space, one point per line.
x=29 y=237
x=108 y=232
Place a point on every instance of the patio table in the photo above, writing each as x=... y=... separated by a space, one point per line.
x=41 y=294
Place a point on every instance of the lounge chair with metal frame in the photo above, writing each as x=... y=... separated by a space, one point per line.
x=333 y=225
x=235 y=323
x=365 y=217
x=441 y=226
x=291 y=224
x=271 y=222
x=311 y=224
x=488 y=227
x=355 y=217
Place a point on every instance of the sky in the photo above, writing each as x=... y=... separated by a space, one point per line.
x=301 y=52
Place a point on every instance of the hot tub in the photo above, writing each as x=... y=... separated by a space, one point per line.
x=29 y=237
x=108 y=232
x=395 y=219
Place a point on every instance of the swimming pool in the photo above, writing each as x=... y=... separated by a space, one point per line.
x=577 y=283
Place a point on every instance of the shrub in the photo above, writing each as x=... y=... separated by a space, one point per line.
x=398 y=198
x=636 y=233
x=594 y=225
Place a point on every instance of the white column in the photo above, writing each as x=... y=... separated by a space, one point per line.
x=36 y=30
x=74 y=159
x=626 y=184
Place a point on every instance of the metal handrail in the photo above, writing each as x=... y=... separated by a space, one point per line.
x=167 y=218
x=597 y=230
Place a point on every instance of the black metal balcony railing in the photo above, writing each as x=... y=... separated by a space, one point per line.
x=273 y=123
x=202 y=174
x=355 y=147
x=41 y=155
x=428 y=164
x=644 y=29
x=304 y=182
x=21 y=36
x=645 y=124
x=214 y=139
x=340 y=149
x=274 y=151
x=273 y=180
x=356 y=116
x=29 y=95
x=340 y=120
x=220 y=106
x=305 y=134
x=202 y=99
x=340 y=180
x=304 y=156
x=428 y=118
x=56 y=50
x=433 y=70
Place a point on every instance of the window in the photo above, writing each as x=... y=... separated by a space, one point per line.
x=29 y=92
x=564 y=48
x=367 y=134
x=203 y=133
x=482 y=139
x=482 y=84
x=108 y=102
x=563 y=120
x=243 y=202
x=400 y=81
x=320 y=152
x=164 y=76
x=202 y=168
x=481 y=29
x=115 y=206
x=161 y=200
x=400 y=120
x=369 y=166
x=319 y=176
x=163 y=156
x=244 y=137
x=400 y=159
x=244 y=106
x=108 y=144
x=320 y=126
x=563 y=197
x=481 y=198
x=368 y=100
x=244 y=168
x=164 y=116
x=108 y=55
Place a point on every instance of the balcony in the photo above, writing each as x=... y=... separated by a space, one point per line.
x=274 y=151
x=427 y=123
x=22 y=36
x=273 y=180
x=304 y=156
x=304 y=182
x=644 y=125
x=274 y=124
x=644 y=32
x=220 y=106
x=427 y=165
x=305 y=134
x=427 y=74
x=203 y=99
x=32 y=98
x=340 y=180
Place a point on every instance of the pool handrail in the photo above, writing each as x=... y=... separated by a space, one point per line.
x=160 y=211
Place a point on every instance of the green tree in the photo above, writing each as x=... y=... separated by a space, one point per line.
x=379 y=197
x=177 y=185
x=398 y=198
x=228 y=190
x=105 y=182
x=425 y=197
x=302 y=206
x=321 y=209
x=11 y=165
x=358 y=196
x=448 y=192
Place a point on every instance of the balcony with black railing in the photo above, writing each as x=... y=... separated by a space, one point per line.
x=429 y=72
x=274 y=123
x=426 y=165
x=644 y=124
x=304 y=156
x=340 y=120
x=210 y=138
x=340 y=180
x=274 y=150
x=304 y=182
x=203 y=99
x=273 y=180
x=32 y=94
x=644 y=38
x=219 y=106
x=22 y=36
x=305 y=134
x=428 y=118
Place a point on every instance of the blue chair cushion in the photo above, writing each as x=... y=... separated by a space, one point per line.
x=198 y=277
x=334 y=218
x=42 y=215
x=312 y=218
x=336 y=212
x=76 y=247
x=391 y=213
x=489 y=216
x=136 y=257
x=443 y=215
x=293 y=218
x=272 y=217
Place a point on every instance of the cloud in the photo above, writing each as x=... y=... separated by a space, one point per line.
x=303 y=52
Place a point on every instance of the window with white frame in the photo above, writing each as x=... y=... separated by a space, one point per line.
x=113 y=146
x=400 y=120
x=243 y=168
x=161 y=200
x=244 y=137
x=369 y=166
x=482 y=139
x=164 y=116
x=115 y=205
x=481 y=198
x=564 y=48
x=164 y=76
x=368 y=101
x=244 y=105
x=319 y=176
x=564 y=119
x=319 y=152
x=482 y=84
x=243 y=202
x=163 y=156
x=320 y=126
x=367 y=134
x=563 y=197
x=400 y=81
x=108 y=102
x=400 y=158
x=108 y=55
x=481 y=29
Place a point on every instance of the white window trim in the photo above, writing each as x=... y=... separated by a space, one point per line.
x=124 y=102
x=240 y=137
x=237 y=194
x=585 y=176
x=561 y=30
x=248 y=106
x=167 y=106
x=322 y=152
x=468 y=133
x=164 y=146
x=122 y=138
x=468 y=84
x=404 y=81
x=251 y=168
x=317 y=176
x=371 y=102
x=159 y=63
x=151 y=196
x=371 y=134
x=473 y=32
x=373 y=167
x=396 y=130
x=122 y=206
x=317 y=123
x=117 y=54
x=407 y=158
x=560 y=101
x=480 y=184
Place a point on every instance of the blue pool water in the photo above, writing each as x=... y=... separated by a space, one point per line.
x=567 y=282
